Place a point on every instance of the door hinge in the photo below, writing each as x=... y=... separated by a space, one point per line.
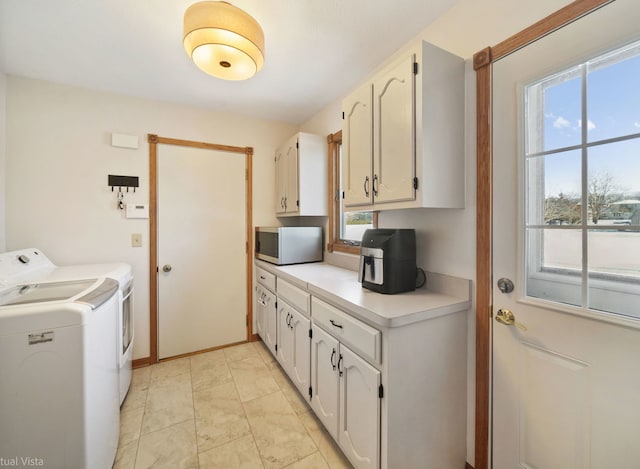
x=297 y=203
x=380 y=391
x=415 y=183
x=276 y=305
x=343 y=194
x=246 y=174
x=297 y=144
x=246 y=246
x=310 y=392
x=247 y=319
x=310 y=333
x=276 y=347
x=415 y=68
x=342 y=115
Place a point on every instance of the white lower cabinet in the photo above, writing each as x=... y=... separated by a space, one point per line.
x=266 y=316
x=293 y=345
x=346 y=398
x=359 y=417
x=324 y=379
x=391 y=396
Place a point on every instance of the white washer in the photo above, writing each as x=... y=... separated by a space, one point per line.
x=32 y=265
x=59 y=403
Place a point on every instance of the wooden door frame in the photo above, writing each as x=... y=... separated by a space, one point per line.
x=154 y=140
x=482 y=64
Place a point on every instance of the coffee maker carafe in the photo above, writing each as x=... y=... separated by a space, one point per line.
x=388 y=260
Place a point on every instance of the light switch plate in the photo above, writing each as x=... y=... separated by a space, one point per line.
x=136 y=240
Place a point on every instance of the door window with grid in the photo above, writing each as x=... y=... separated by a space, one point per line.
x=582 y=184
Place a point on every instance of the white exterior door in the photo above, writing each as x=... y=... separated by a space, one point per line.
x=566 y=381
x=201 y=249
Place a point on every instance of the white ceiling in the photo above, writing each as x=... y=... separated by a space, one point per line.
x=316 y=50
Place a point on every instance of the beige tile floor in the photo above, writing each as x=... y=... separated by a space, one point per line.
x=231 y=408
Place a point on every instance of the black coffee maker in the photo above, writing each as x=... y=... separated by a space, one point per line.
x=388 y=260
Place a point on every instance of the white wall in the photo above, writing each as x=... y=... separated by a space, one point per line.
x=3 y=140
x=58 y=157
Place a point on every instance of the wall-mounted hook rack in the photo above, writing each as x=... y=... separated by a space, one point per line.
x=120 y=182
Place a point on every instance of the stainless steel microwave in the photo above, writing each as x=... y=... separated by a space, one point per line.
x=284 y=245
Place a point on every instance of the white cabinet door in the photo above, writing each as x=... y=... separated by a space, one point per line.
x=359 y=422
x=324 y=379
x=260 y=304
x=299 y=371
x=270 y=323
x=291 y=201
x=286 y=200
x=281 y=180
x=294 y=345
x=393 y=133
x=285 y=337
x=356 y=148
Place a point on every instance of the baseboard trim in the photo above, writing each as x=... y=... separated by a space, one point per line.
x=140 y=362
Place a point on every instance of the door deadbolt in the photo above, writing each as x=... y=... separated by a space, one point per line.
x=505 y=285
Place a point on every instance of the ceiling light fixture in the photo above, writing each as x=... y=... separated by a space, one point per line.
x=223 y=41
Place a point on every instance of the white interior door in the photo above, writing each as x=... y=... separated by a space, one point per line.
x=566 y=390
x=201 y=249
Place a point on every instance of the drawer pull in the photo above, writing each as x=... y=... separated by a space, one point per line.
x=335 y=324
x=262 y=277
x=333 y=355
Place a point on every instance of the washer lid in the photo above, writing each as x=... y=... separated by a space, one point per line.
x=46 y=292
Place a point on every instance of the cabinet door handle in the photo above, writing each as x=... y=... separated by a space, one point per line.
x=366 y=186
x=281 y=202
x=285 y=202
x=335 y=324
x=333 y=363
x=375 y=185
x=340 y=370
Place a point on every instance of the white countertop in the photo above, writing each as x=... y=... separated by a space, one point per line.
x=441 y=295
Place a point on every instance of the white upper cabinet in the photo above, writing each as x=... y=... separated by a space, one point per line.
x=301 y=176
x=357 y=147
x=403 y=134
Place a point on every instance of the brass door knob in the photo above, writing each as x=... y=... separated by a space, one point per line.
x=506 y=317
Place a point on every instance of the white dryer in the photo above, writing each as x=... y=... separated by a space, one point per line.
x=32 y=265
x=59 y=404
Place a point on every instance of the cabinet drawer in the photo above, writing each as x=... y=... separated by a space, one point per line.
x=347 y=329
x=265 y=278
x=295 y=296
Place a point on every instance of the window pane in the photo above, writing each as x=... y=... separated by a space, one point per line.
x=554 y=265
x=614 y=183
x=354 y=225
x=614 y=271
x=553 y=112
x=613 y=95
x=554 y=189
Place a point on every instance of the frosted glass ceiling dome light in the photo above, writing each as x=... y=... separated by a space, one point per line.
x=223 y=41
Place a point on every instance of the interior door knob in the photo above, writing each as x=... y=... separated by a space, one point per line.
x=166 y=268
